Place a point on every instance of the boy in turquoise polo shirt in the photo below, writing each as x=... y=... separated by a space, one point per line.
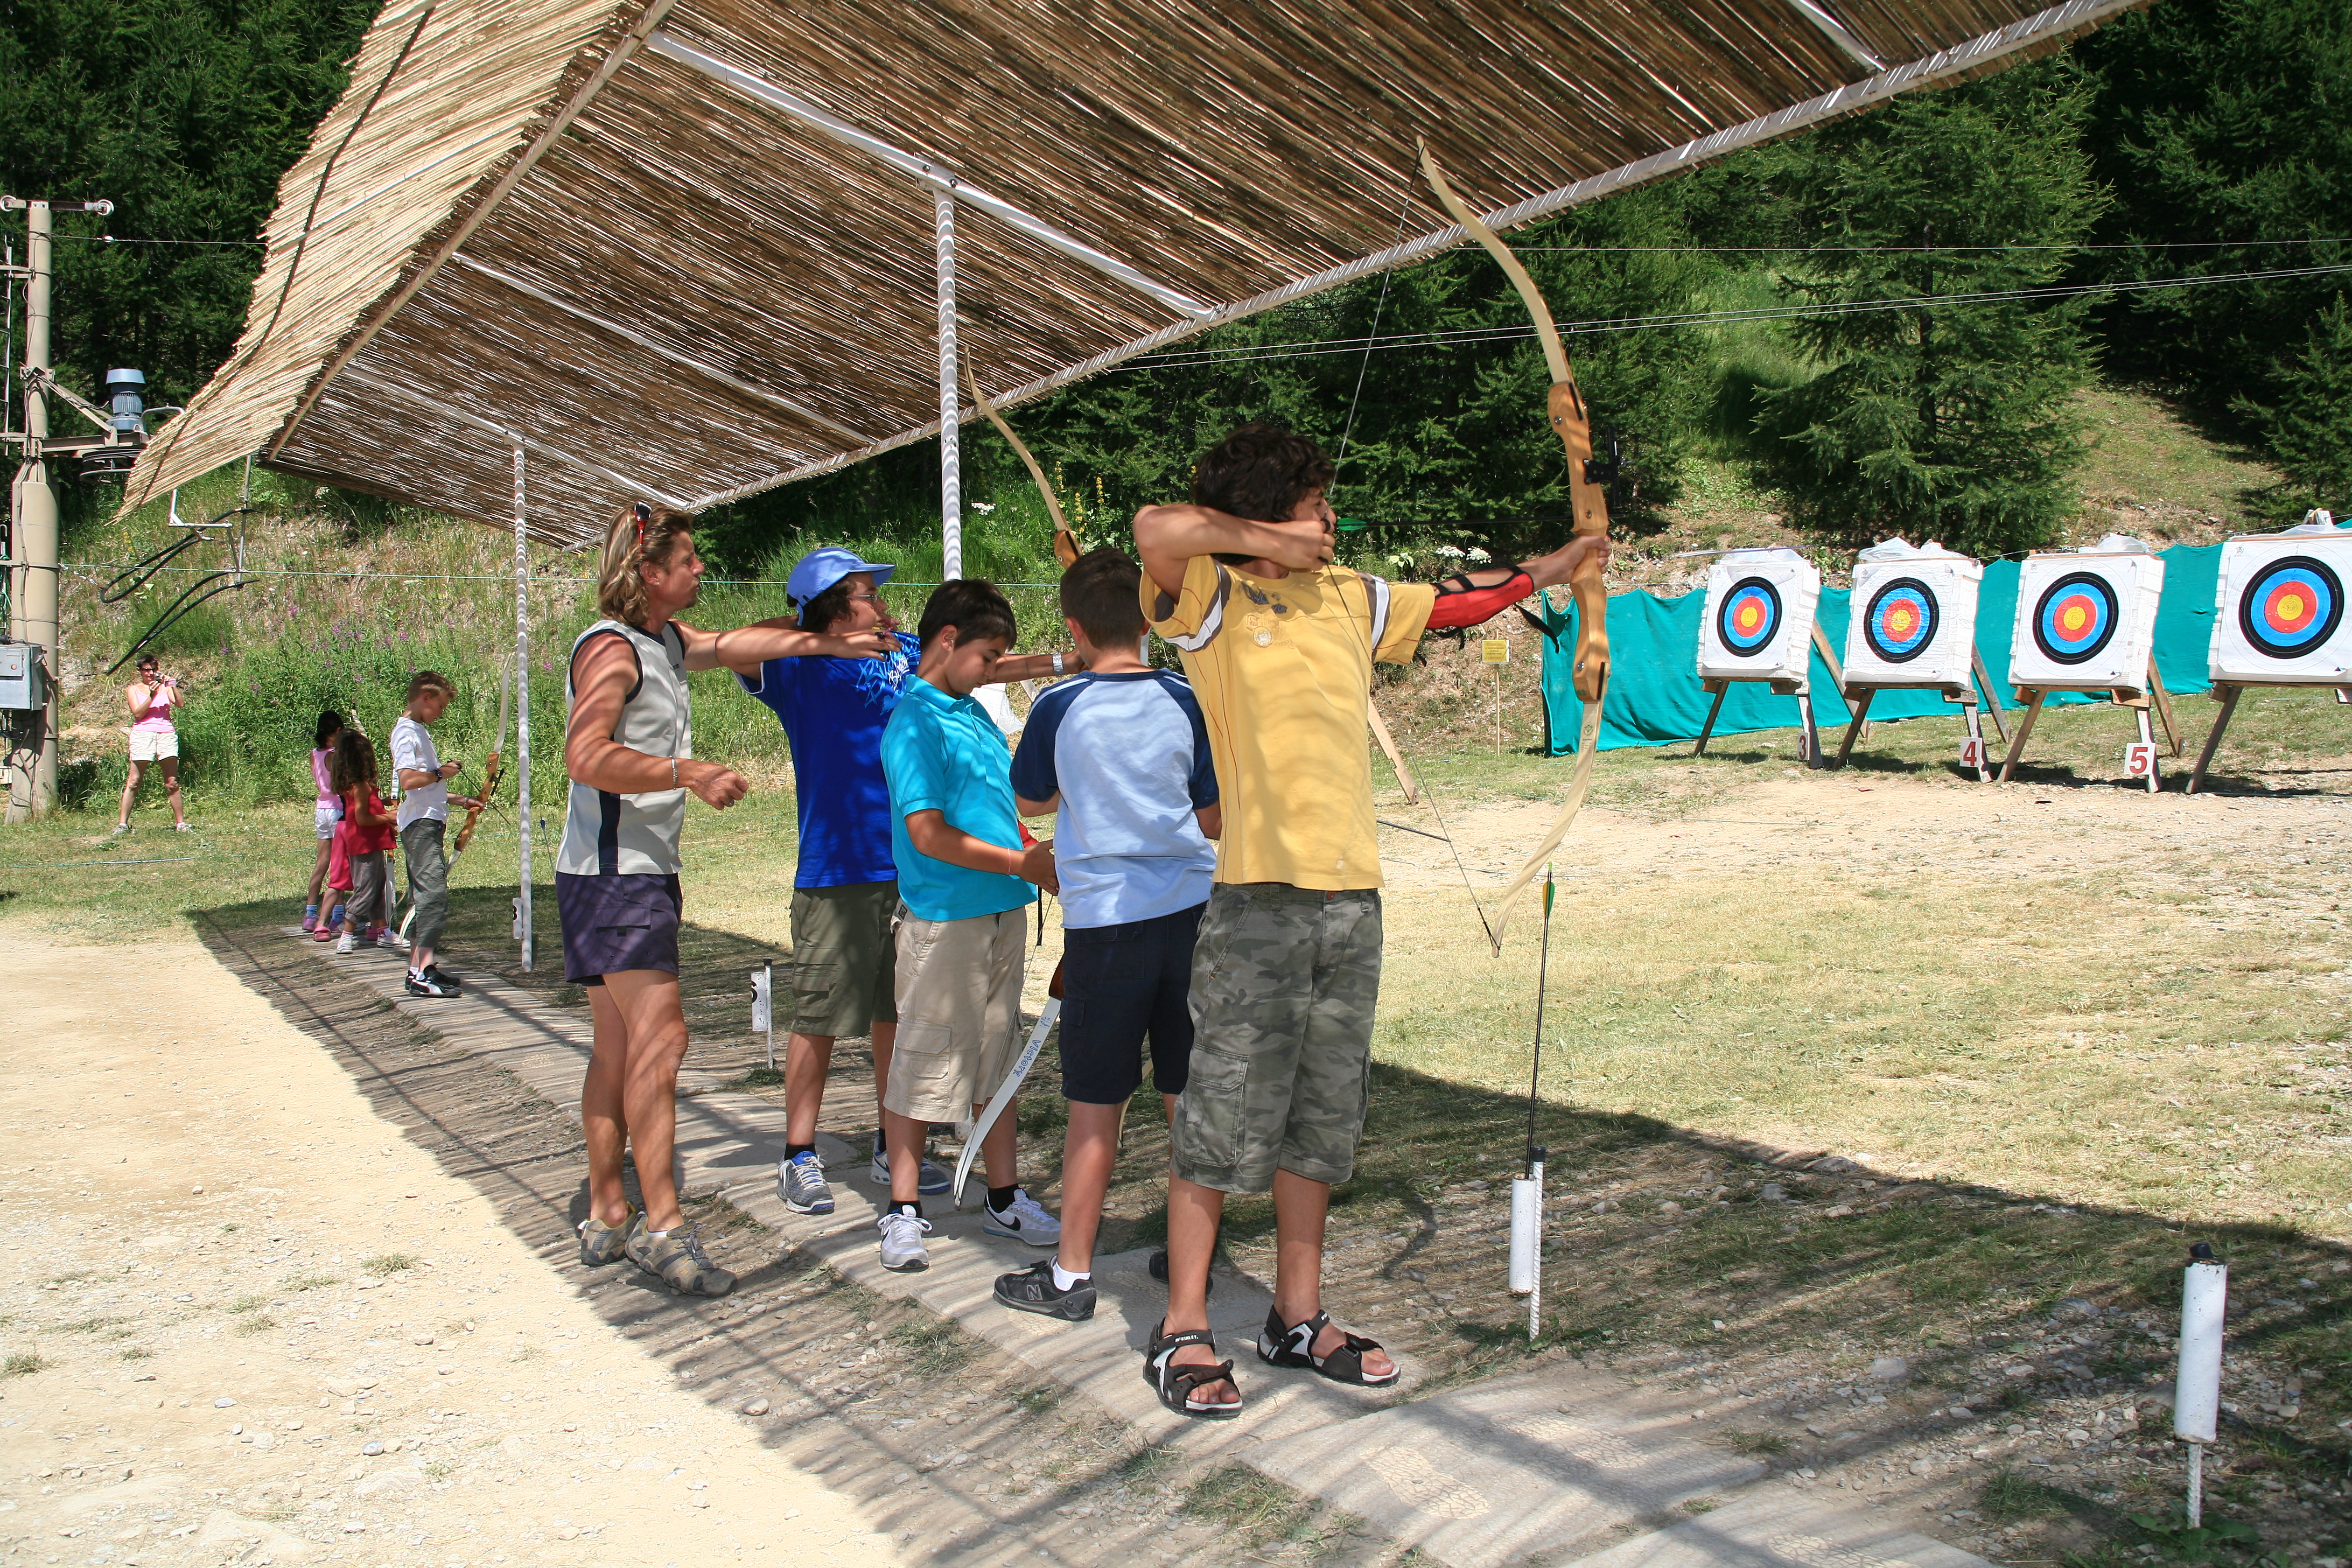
x=964 y=878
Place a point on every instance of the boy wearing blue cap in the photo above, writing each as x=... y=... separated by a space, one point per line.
x=845 y=888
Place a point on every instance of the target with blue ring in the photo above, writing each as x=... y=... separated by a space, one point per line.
x=1749 y=617
x=1901 y=621
x=2076 y=617
x=2291 y=607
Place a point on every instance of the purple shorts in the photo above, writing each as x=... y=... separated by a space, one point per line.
x=611 y=923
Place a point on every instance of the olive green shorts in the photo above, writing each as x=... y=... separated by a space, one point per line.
x=1284 y=983
x=844 y=960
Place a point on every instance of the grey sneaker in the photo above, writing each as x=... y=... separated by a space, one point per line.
x=1033 y=1291
x=902 y=1240
x=1023 y=1219
x=935 y=1179
x=679 y=1260
x=600 y=1243
x=800 y=1182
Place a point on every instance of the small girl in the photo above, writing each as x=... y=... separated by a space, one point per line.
x=367 y=832
x=324 y=814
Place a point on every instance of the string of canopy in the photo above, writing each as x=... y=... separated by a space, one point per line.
x=688 y=250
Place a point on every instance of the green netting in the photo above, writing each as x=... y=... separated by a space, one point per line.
x=1655 y=699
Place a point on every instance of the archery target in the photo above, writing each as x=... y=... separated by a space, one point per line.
x=1912 y=621
x=1758 y=623
x=2084 y=621
x=2279 y=610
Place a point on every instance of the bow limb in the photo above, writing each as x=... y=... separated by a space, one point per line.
x=491 y=770
x=1564 y=405
x=1066 y=543
x=1046 y=1016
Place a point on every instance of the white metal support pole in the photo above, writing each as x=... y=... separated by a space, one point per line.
x=33 y=542
x=950 y=397
x=522 y=710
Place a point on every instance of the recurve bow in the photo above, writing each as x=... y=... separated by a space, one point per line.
x=1066 y=544
x=1588 y=502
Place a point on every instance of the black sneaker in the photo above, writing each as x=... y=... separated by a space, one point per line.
x=1160 y=1272
x=425 y=984
x=442 y=977
x=1031 y=1290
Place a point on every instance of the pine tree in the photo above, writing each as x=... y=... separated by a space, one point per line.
x=2309 y=427
x=1938 y=420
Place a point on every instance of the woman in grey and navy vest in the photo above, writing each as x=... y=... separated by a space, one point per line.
x=630 y=752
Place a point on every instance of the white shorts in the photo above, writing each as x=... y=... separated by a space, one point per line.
x=153 y=745
x=324 y=817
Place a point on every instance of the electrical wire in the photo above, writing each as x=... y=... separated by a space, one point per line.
x=1908 y=249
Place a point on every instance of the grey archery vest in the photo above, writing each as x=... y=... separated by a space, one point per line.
x=606 y=834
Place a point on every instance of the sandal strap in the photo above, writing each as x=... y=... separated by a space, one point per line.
x=1163 y=1344
x=1299 y=1337
x=1184 y=1379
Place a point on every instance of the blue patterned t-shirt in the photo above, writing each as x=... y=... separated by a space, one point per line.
x=833 y=712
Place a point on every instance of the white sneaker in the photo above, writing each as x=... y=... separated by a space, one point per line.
x=902 y=1240
x=393 y=940
x=347 y=943
x=933 y=1180
x=1023 y=1219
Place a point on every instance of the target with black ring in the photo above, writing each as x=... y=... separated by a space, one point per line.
x=2075 y=619
x=1900 y=623
x=1749 y=617
x=2291 y=607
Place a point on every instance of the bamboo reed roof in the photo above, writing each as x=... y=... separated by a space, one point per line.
x=564 y=221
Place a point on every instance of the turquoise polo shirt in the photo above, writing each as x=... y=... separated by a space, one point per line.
x=946 y=754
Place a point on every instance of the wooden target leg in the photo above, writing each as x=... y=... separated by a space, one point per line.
x=2163 y=700
x=1984 y=682
x=1811 y=735
x=1854 y=728
x=1722 y=689
x=2230 y=695
x=2148 y=739
x=1976 y=733
x=2024 y=727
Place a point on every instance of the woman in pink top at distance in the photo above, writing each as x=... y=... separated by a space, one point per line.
x=151 y=698
x=324 y=813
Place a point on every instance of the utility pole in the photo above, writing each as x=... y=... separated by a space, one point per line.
x=32 y=514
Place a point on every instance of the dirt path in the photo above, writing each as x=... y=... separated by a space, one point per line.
x=249 y=1320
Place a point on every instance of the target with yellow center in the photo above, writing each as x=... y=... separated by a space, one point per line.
x=1901 y=621
x=2075 y=619
x=1750 y=616
x=2291 y=607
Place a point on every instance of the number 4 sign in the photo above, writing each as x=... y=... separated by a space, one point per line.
x=1972 y=752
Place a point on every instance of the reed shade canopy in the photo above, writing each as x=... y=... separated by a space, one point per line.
x=684 y=250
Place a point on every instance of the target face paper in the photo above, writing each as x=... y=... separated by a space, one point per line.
x=2085 y=622
x=2279 y=617
x=1759 y=620
x=1912 y=621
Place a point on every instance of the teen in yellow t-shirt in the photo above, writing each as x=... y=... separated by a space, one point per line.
x=1279 y=645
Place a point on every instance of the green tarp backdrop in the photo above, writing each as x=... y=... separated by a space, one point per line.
x=1654 y=698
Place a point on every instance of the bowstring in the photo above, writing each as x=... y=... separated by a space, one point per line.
x=1363 y=368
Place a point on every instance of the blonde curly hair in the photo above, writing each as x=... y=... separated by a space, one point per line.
x=639 y=534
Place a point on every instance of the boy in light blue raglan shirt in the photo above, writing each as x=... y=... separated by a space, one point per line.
x=965 y=879
x=1120 y=755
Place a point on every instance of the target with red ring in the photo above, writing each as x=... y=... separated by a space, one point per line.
x=2291 y=607
x=1901 y=621
x=2076 y=617
x=1749 y=617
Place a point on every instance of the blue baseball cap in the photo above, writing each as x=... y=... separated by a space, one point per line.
x=821 y=569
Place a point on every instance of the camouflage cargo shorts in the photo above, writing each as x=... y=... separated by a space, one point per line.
x=1284 y=983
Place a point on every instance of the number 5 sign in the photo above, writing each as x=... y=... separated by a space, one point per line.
x=2140 y=759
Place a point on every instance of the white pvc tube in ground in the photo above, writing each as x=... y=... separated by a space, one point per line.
x=2197 y=1389
x=1527 y=1231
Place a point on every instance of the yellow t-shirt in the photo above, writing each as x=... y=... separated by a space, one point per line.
x=1283 y=670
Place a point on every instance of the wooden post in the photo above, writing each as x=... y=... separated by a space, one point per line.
x=1976 y=733
x=1984 y=684
x=1829 y=657
x=2148 y=739
x=2034 y=698
x=1860 y=713
x=1721 y=689
x=2229 y=695
x=1808 y=735
x=2163 y=705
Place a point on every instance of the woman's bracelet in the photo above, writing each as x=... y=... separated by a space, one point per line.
x=672 y=773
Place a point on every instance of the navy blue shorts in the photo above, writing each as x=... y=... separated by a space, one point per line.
x=616 y=923
x=1122 y=986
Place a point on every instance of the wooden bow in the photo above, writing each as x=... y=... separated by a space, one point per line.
x=1588 y=502
x=1066 y=544
x=491 y=770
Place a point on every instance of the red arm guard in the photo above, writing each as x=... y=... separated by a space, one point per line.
x=1461 y=605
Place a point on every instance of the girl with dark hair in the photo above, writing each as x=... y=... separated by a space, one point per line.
x=327 y=811
x=366 y=829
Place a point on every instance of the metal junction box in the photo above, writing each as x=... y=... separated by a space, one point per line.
x=21 y=684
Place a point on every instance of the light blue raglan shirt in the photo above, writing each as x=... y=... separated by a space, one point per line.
x=1129 y=754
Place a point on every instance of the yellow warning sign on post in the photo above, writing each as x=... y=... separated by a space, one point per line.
x=1494 y=650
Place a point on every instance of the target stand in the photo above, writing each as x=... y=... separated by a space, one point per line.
x=1914 y=629
x=1755 y=628
x=2279 y=620
x=2086 y=623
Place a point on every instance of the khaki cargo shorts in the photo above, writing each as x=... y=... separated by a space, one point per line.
x=1284 y=983
x=959 y=1013
x=844 y=961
